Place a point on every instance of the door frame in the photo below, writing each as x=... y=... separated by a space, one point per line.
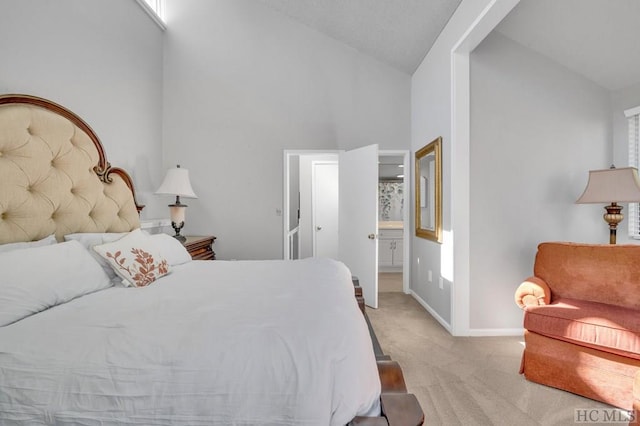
x=460 y=93
x=408 y=200
x=406 y=212
x=286 y=175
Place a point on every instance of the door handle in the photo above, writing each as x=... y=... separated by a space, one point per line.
x=371 y=236
x=318 y=228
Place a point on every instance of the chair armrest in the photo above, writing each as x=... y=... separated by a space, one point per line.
x=533 y=291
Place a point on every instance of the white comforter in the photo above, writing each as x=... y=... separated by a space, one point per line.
x=212 y=343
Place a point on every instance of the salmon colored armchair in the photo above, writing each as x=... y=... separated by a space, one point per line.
x=582 y=321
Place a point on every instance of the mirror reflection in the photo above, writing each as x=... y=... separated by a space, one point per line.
x=428 y=185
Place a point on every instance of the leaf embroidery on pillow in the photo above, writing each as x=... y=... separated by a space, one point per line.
x=144 y=270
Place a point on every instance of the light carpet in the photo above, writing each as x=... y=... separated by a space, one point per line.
x=466 y=380
x=389 y=281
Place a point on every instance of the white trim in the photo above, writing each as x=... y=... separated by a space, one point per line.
x=486 y=21
x=496 y=332
x=406 y=214
x=152 y=13
x=633 y=145
x=293 y=231
x=473 y=332
x=431 y=311
x=286 y=249
x=291 y=236
x=460 y=194
x=632 y=111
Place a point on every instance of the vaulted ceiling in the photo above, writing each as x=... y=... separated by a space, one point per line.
x=396 y=32
x=599 y=39
x=596 y=38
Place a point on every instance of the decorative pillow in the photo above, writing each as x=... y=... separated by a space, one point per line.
x=90 y=239
x=135 y=258
x=34 y=279
x=47 y=241
x=171 y=249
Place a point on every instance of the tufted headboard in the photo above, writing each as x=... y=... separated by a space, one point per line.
x=54 y=175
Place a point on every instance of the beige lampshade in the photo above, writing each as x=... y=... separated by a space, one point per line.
x=612 y=185
x=177 y=182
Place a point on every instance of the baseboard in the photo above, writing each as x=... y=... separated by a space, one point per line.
x=429 y=309
x=474 y=332
x=489 y=332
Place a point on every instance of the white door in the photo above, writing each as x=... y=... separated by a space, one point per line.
x=325 y=209
x=358 y=217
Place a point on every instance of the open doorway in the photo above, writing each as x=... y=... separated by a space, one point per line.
x=394 y=225
x=301 y=169
x=301 y=229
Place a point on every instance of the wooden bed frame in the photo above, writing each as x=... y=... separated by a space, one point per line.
x=399 y=408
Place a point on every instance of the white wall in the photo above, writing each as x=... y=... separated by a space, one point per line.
x=554 y=159
x=431 y=106
x=243 y=83
x=536 y=130
x=103 y=61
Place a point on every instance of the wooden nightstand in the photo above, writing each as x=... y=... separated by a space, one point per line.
x=200 y=248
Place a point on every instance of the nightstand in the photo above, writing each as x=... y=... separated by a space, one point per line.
x=200 y=248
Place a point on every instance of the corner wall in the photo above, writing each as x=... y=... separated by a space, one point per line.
x=103 y=61
x=431 y=116
x=435 y=100
x=536 y=130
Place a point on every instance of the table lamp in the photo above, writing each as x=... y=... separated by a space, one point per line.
x=612 y=186
x=177 y=183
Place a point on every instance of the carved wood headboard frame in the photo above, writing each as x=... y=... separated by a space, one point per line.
x=55 y=177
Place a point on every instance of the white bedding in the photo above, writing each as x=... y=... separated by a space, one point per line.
x=212 y=343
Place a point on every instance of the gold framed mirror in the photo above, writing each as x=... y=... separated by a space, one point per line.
x=428 y=186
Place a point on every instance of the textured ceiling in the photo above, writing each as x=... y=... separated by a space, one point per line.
x=599 y=39
x=396 y=32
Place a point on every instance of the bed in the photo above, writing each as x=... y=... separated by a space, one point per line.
x=101 y=323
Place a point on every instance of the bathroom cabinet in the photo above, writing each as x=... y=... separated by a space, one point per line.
x=390 y=249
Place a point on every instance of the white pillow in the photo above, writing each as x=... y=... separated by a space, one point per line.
x=171 y=249
x=136 y=258
x=90 y=239
x=37 y=278
x=47 y=241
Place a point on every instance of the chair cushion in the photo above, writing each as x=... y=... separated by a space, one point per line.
x=613 y=329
